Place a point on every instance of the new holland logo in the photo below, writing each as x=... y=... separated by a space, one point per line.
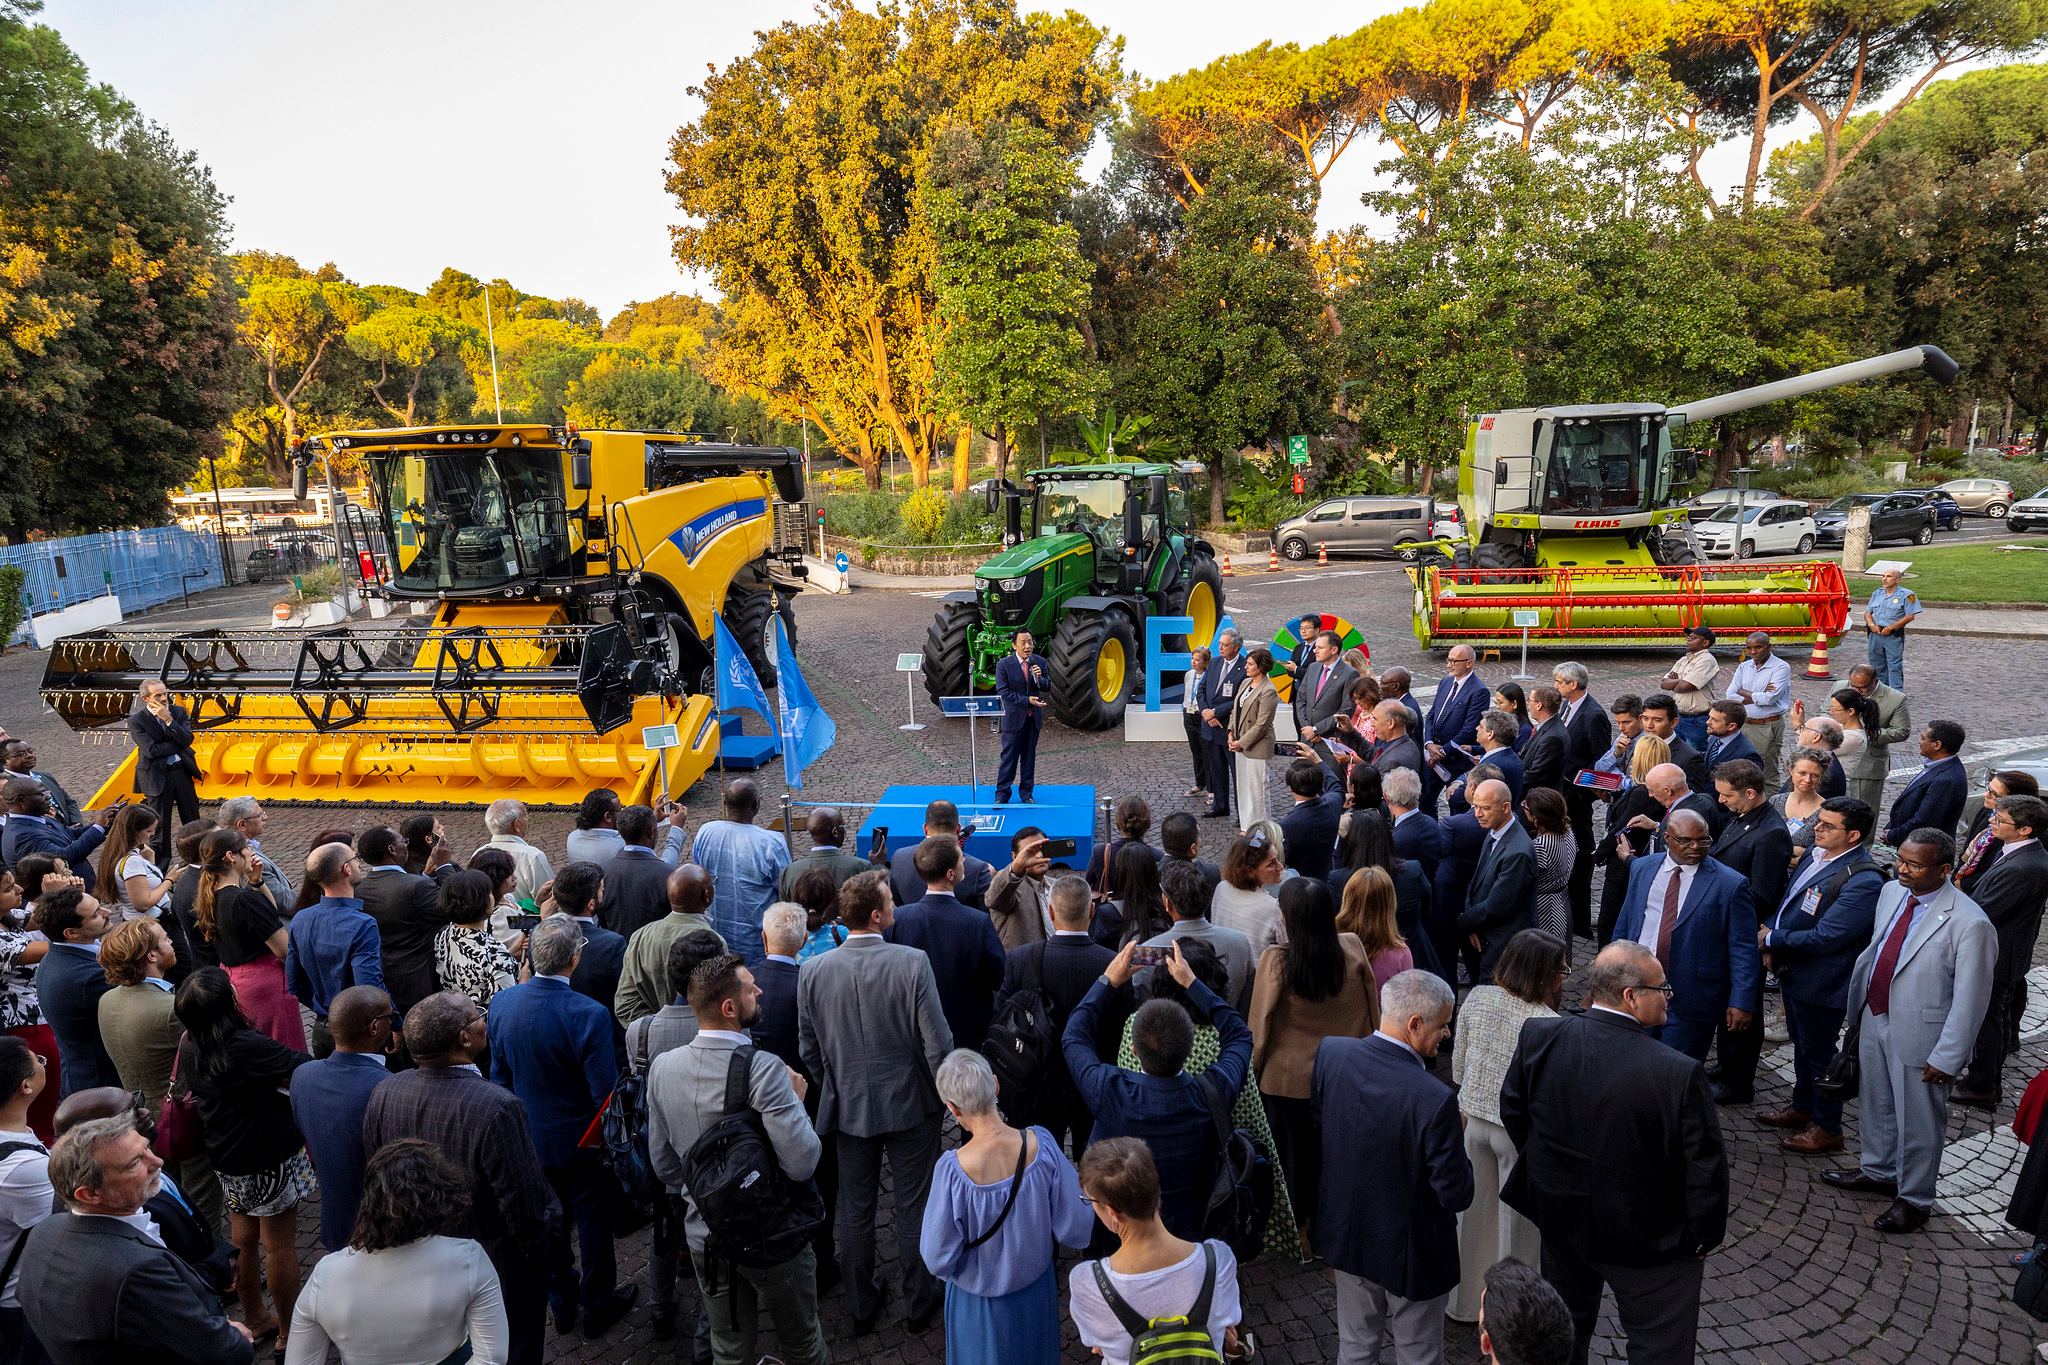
x=696 y=535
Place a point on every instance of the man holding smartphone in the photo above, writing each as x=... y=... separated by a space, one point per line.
x=1022 y=683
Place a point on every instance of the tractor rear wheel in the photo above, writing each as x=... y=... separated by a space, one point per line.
x=948 y=652
x=1094 y=659
x=1202 y=600
x=750 y=616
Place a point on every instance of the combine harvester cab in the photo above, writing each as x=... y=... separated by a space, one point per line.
x=564 y=589
x=1571 y=514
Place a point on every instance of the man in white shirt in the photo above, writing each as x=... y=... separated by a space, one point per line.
x=1763 y=684
x=1691 y=682
x=506 y=820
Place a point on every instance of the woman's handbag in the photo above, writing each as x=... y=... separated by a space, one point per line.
x=177 y=1123
x=1844 y=1076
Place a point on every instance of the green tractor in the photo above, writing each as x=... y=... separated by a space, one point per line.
x=1109 y=545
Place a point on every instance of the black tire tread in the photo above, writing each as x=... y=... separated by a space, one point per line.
x=946 y=659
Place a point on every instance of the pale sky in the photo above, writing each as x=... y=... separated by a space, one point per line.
x=523 y=140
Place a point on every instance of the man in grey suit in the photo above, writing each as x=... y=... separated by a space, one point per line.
x=872 y=1035
x=96 y=1286
x=686 y=1094
x=1323 y=691
x=1501 y=900
x=1919 y=992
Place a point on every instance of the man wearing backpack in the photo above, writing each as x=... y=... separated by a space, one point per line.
x=726 y=1130
x=1036 y=1087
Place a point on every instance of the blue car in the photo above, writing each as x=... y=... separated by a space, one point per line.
x=1948 y=513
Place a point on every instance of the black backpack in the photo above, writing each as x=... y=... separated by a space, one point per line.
x=1241 y=1199
x=1023 y=1046
x=640 y=1196
x=756 y=1216
x=1168 y=1341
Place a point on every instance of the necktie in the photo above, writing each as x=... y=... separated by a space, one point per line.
x=1669 y=920
x=1322 y=678
x=1879 y=997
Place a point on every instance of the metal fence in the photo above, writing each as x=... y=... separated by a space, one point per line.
x=144 y=568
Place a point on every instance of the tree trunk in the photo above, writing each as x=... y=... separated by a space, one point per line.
x=1923 y=428
x=1958 y=429
x=1728 y=456
x=1216 y=488
x=1425 y=480
x=963 y=455
x=999 y=447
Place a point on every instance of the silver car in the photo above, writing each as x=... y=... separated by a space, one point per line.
x=1357 y=526
x=2029 y=513
x=1981 y=497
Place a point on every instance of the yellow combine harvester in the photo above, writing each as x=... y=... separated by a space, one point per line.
x=564 y=588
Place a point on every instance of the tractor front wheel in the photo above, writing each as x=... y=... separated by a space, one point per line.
x=750 y=616
x=948 y=655
x=1491 y=555
x=1094 y=659
x=1672 y=551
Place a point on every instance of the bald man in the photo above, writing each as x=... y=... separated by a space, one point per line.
x=1670 y=788
x=185 y=1229
x=1698 y=918
x=330 y=1097
x=643 y=975
x=1501 y=900
x=826 y=829
x=745 y=863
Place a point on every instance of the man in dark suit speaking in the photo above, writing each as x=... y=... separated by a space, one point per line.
x=1622 y=1168
x=1022 y=682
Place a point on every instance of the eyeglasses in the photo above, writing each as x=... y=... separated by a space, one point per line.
x=1667 y=990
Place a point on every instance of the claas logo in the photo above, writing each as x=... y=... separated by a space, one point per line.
x=1598 y=524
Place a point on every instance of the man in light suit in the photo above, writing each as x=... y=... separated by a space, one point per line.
x=1697 y=918
x=1323 y=690
x=1396 y=1176
x=1919 y=993
x=2012 y=895
x=1025 y=687
x=1501 y=900
x=551 y=1045
x=1894 y=723
x=1453 y=723
x=1220 y=683
x=1935 y=798
x=95 y=1287
x=872 y=1036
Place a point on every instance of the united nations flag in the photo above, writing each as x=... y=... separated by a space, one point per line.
x=738 y=688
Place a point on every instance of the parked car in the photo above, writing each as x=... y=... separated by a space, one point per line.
x=1982 y=497
x=1778 y=527
x=285 y=555
x=2029 y=513
x=1893 y=516
x=1948 y=513
x=1355 y=526
x=1449 y=522
x=1711 y=501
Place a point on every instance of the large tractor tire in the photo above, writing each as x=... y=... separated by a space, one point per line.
x=1673 y=552
x=1490 y=555
x=1202 y=599
x=947 y=657
x=750 y=616
x=1094 y=660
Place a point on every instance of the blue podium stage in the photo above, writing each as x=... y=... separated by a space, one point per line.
x=1063 y=812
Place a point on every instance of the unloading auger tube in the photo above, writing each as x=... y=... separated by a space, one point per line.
x=1575 y=529
x=423 y=716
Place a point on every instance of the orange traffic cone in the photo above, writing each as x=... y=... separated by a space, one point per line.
x=1272 y=559
x=1228 y=572
x=1817 y=665
x=1322 y=552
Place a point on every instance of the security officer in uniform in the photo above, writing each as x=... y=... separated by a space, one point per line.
x=1884 y=625
x=1022 y=683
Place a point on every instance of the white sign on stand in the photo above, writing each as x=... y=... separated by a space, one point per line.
x=661 y=738
x=1526 y=619
x=909 y=665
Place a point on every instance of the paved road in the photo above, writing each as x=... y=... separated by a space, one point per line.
x=1802 y=1276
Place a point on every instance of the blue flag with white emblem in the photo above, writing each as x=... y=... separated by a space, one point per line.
x=738 y=688
x=807 y=731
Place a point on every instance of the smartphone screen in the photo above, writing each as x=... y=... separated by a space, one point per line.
x=1142 y=956
x=1059 y=848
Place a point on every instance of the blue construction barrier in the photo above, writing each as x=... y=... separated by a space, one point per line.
x=144 y=568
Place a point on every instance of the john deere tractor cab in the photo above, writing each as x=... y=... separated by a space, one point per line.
x=1571 y=516
x=1089 y=552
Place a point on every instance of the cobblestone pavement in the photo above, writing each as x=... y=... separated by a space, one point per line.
x=1802 y=1276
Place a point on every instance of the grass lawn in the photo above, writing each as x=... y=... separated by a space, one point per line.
x=1970 y=573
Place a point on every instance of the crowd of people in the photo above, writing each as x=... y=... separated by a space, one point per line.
x=1340 y=1038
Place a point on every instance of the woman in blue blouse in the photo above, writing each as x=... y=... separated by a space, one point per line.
x=998 y=1204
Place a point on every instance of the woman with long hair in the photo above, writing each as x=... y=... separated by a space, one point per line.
x=502 y=871
x=239 y=1076
x=1857 y=715
x=1528 y=983
x=421 y=834
x=1247 y=1111
x=1510 y=698
x=134 y=886
x=1369 y=842
x=408 y=1286
x=1550 y=830
x=234 y=914
x=1132 y=821
x=817 y=891
x=1318 y=984
x=181 y=921
x=1365 y=694
x=1646 y=753
x=1138 y=909
x=1368 y=913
